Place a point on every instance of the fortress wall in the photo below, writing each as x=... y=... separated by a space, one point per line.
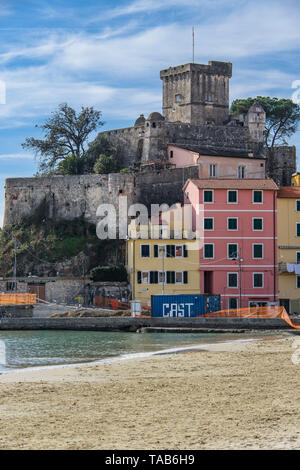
x=67 y=197
x=281 y=164
x=126 y=142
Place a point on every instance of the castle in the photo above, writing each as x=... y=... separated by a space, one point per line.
x=195 y=115
x=195 y=118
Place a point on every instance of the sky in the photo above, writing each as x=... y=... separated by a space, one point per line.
x=108 y=54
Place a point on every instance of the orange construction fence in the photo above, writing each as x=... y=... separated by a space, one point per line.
x=17 y=299
x=255 y=312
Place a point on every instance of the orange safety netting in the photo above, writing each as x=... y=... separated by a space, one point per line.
x=255 y=312
x=17 y=299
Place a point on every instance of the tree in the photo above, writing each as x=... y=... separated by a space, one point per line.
x=282 y=117
x=65 y=139
x=106 y=164
x=99 y=146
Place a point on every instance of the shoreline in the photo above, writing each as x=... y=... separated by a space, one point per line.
x=131 y=356
x=232 y=395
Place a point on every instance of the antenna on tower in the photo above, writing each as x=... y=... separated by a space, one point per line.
x=193 y=34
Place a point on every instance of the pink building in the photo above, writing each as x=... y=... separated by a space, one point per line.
x=238 y=259
x=218 y=166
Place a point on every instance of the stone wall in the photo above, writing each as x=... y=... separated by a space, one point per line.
x=281 y=164
x=66 y=197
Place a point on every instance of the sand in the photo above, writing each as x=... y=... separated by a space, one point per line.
x=229 y=396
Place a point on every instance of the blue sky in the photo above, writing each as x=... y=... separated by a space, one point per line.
x=109 y=53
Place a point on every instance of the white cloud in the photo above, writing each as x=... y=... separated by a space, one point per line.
x=16 y=156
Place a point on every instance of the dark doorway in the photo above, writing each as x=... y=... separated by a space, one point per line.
x=38 y=289
x=208 y=282
x=285 y=303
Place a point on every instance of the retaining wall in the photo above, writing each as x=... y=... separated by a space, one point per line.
x=134 y=324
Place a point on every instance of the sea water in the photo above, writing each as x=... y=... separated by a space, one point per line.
x=22 y=349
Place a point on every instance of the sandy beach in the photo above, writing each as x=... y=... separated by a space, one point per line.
x=229 y=396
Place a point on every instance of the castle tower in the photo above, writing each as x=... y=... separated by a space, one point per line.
x=196 y=93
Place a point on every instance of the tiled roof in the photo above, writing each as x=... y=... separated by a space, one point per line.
x=289 y=191
x=234 y=183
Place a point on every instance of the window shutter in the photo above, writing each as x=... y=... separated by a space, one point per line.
x=155 y=277
x=172 y=249
x=185 y=277
x=155 y=251
x=185 y=251
x=168 y=277
x=168 y=250
x=151 y=277
x=172 y=277
x=139 y=277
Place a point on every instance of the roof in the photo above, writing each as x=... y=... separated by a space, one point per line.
x=267 y=184
x=289 y=191
x=238 y=153
x=155 y=116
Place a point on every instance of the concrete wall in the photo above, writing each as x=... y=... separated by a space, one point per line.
x=134 y=324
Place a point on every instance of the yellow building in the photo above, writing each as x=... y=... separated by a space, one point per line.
x=161 y=265
x=296 y=179
x=288 y=206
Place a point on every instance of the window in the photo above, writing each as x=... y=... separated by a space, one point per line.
x=298 y=257
x=257 y=197
x=179 y=251
x=232 y=223
x=232 y=250
x=232 y=279
x=298 y=229
x=258 y=280
x=257 y=251
x=171 y=154
x=161 y=251
x=145 y=251
x=232 y=196
x=178 y=98
x=208 y=195
x=208 y=223
x=208 y=98
x=208 y=250
x=257 y=224
x=241 y=172
x=187 y=195
x=232 y=303
x=298 y=282
x=161 y=277
x=212 y=171
x=178 y=277
x=298 y=206
x=145 y=277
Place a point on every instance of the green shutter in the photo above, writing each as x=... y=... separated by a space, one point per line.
x=185 y=251
x=185 y=277
x=155 y=251
x=139 y=277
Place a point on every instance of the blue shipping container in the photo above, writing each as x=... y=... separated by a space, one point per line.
x=185 y=305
